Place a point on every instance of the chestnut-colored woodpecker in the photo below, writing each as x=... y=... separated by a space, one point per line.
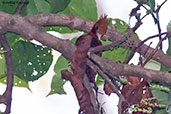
x=98 y=30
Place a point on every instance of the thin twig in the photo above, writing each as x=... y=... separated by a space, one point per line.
x=155 y=50
x=141 y=43
x=106 y=46
x=21 y=6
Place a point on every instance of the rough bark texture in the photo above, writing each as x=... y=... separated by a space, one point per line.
x=29 y=27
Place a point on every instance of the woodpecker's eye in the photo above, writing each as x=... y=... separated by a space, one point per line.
x=97 y=27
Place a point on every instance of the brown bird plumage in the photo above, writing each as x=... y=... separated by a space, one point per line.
x=99 y=29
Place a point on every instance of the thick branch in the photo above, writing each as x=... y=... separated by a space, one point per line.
x=7 y=96
x=118 y=69
x=85 y=25
x=30 y=31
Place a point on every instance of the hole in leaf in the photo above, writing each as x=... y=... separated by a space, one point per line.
x=113 y=22
x=29 y=63
x=121 y=23
x=34 y=73
x=49 y=51
x=19 y=61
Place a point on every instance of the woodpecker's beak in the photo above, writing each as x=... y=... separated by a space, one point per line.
x=99 y=35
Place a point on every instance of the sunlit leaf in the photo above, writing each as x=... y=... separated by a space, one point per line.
x=153 y=65
x=18 y=82
x=99 y=80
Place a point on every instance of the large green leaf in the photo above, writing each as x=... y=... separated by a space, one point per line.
x=31 y=61
x=58 y=5
x=84 y=8
x=9 y=6
x=18 y=82
x=57 y=81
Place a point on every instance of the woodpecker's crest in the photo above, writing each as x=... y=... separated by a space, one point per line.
x=100 y=27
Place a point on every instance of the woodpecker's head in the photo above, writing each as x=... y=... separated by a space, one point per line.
x=100 y=27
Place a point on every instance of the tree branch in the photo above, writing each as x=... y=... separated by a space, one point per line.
x=7 y=95
x=26 y=27
x=75 y=22
x=118 y=69
x=21 y=6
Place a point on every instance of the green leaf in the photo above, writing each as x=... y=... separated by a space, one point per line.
x=160 y=111
x=58 y=5
x=84 y=8
x=57 y=85
x=60 y=29
x=117 y=54
x=31 y=61
x=151 y=4
x=164 y=68
x=57 y=81
x=121 y=26
x=2 y=65
x=153 y=65
x=36 y=6
x=99 y=80
x=18 y=82
x=161 y=93
x=162 y=96
x=9 y=6
x=169 y=27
